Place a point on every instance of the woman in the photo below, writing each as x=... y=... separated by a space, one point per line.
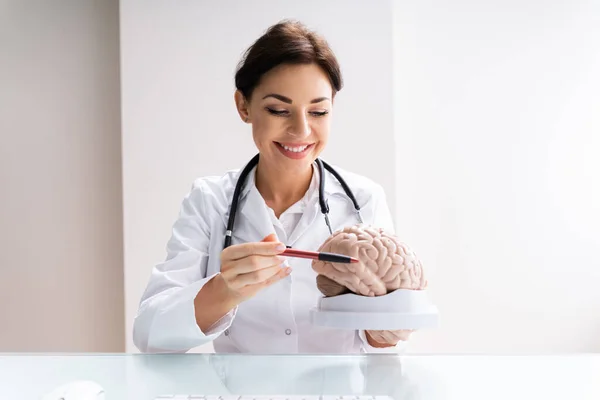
x=246 y=297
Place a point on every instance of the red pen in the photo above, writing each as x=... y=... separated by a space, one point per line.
x=322 y=256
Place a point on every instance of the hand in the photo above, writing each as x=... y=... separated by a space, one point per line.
x=250 y=267
x=381 y=339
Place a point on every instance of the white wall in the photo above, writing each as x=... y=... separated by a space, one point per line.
x=179 y=119
x=494 y=122
x=61 y=268
x=497 y=131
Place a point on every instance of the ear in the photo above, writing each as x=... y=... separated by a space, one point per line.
x=242 y=106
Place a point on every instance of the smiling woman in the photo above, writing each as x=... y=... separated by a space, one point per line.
x=290 y=115
x=240 y=295
x=286 y=84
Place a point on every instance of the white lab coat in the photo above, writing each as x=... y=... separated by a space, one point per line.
x=277 y=319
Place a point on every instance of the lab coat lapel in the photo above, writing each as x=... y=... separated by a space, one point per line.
x=312 y=211
x=253 y=222
x=306 y=221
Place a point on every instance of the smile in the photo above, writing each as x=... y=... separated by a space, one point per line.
x=295 y=151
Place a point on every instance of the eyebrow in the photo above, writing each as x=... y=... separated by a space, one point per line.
x=289 y=101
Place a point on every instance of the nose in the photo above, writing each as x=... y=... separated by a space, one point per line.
x=300 y=126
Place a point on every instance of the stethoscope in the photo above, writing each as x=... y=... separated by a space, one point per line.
x=322 y=165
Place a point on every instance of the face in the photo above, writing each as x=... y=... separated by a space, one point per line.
x=290 y=112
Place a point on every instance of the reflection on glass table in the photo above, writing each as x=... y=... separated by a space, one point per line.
x=401 y=377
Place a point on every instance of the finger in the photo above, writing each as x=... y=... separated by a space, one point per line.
x=252 y=264
x=390 y=336
x=277 y=277
x=380 y=337
x=267 y=247
x=272 y=280
x=256 y=277
x=232 y=269
x=402 y=334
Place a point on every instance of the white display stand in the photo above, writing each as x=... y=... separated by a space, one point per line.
x=400 y=309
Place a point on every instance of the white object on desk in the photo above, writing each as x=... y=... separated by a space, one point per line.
x=400 y=309
x=78 y=390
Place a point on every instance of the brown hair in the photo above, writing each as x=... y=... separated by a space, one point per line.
x=287 y=42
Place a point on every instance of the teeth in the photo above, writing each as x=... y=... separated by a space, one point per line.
x=294 y=149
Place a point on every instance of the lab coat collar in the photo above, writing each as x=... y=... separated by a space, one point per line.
x=253 y=208
x=331 y=184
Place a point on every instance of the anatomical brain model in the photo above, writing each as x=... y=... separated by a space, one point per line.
x=386 y=264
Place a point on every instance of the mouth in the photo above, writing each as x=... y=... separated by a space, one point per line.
x=295 y=151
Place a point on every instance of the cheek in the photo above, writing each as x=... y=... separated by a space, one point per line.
x=264 y=130
x=321 y=129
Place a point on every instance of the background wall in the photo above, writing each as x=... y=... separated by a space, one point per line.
x=497 y=120
x=179 y=119
x=61 y=261
x=486 y=115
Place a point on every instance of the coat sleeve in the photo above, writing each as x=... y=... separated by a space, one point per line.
x=381 y=218
x=165 y=321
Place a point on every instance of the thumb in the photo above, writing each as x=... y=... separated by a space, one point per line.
x=271 y=238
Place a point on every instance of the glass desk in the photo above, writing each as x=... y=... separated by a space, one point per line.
x=136 y=376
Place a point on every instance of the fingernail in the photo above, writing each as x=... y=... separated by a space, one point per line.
x=280 y=247
x=288 y=270
x=281 y=258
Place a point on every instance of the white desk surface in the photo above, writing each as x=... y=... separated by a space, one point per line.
x=134 y=376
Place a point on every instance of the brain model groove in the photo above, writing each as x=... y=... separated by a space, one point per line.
x=386 y=264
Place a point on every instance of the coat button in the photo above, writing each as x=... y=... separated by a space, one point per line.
x=226 y=332
x=288 y=332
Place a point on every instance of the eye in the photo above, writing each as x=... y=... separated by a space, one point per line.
x=277 y=112
x=319 y=113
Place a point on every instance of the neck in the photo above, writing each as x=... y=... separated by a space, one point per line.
x=281 y=189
